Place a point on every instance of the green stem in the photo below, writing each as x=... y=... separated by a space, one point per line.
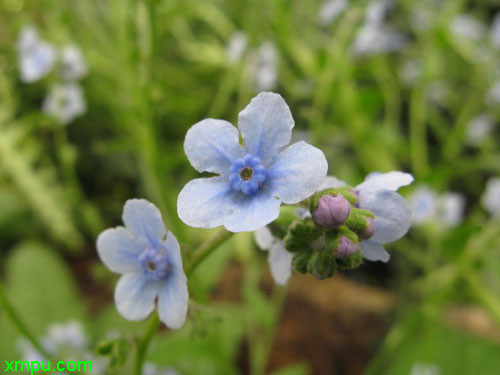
x=206 y=249
x=143 y=344
x=18 y=322
x=154 y=322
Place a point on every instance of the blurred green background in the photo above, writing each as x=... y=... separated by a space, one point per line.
x=378 y=86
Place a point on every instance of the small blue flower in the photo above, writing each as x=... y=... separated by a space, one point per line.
x=36 y=57
x=392 y=212
x=254 y=178
x=150 y=262
x=65 y=102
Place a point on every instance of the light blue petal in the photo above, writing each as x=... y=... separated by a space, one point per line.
x=212 y=146
x=143 y=219
x=119 y=250
x=388 y=181
x=392 y=214
x=297 y=172
x=174 y=251
x=264 y=238
x=374 y=251
x=280 y=262
x=205 y=202
x=252 y=212
x=266 y=125
x=135 y=296
x=331 y=182
x=173 y=301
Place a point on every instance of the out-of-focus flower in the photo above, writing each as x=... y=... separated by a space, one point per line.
x=36 y=57
x=236 y=47
x=420 y=368
x=491 y=196
x=479 y=128
x=65 y=102
x=280 y=260
x=376 y=11
x=149 y=260
x=73 y=65
x=410 y=72
x=495 y=30
x=254 y=179
x=152 y=369
x=493 y=97
x=392 y=212
x=265 y=67
x=423 y=203
x=445 y=209
x=330 y=10
x=465 y=26
x=375 y=38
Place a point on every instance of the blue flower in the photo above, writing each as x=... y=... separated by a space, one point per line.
x=392 y=212
x=36 y=57
x=65 y=102
x=254 y=178
x=150 y=262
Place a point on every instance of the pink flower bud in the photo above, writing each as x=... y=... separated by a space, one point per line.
x=332 y=211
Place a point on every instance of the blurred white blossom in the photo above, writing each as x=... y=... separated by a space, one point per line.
x=423 y=204
x=279 y=259
x=410 y=71
x=36 y=57
x=265 y=67
x=421 y=368
x=493 y=97
x=465 y=26
x=73 y=65
x=152 y=369
x=479 y=128
x=236 y=47
x=495 y=30
x=491 y=196
x=65 y=102
x=450 y=209
x=330 y=10
x=426 y=205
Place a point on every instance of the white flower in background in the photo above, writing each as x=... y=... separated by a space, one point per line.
x=491 y=196
x=65 y=102
x=266 y=67
x=421 y=368
x=280 y=260
x=377 y=11
x=495 y=30
x=236 y=47
x=73 y=65
x=152 y=369
x=427 y=206
x=450 y=209
x=375 y=38
x=465 y=26
x=494 y=94
x=479 y=128
x=36 y=57
x=330 y=10
x=410 y=72
x=423 y=204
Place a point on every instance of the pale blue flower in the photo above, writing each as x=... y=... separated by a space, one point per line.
x=450 y=209
x=265 y=67
x=252 y=179
x=491 y=196
x=330 y=10
x=465 y=26
x=149 y=259
x=36 y=57
x=65 y=102
x=73 y=65
x=479 y=129
x=236 y=47
x=423 y=204
x=280 y=260
x=392 y=213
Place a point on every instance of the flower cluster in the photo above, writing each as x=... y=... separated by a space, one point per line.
x=65 y=100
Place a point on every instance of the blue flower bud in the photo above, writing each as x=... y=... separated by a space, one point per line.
x=345 y=247
x=332 y=211
x=369 y=231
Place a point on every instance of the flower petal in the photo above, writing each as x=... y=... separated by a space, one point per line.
x=266 y=125
x=374 y=251
x=173 y=301
x=119 y=250
x=143 y=219
x=388 y=181
x=297 y=172
x=392 y=214
x=205 y=202
x=135 y=296
x=280 y=262
x=212 y=146
x=252 y=212
x=331 y=182
x=264 y=238
x=174 y=251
